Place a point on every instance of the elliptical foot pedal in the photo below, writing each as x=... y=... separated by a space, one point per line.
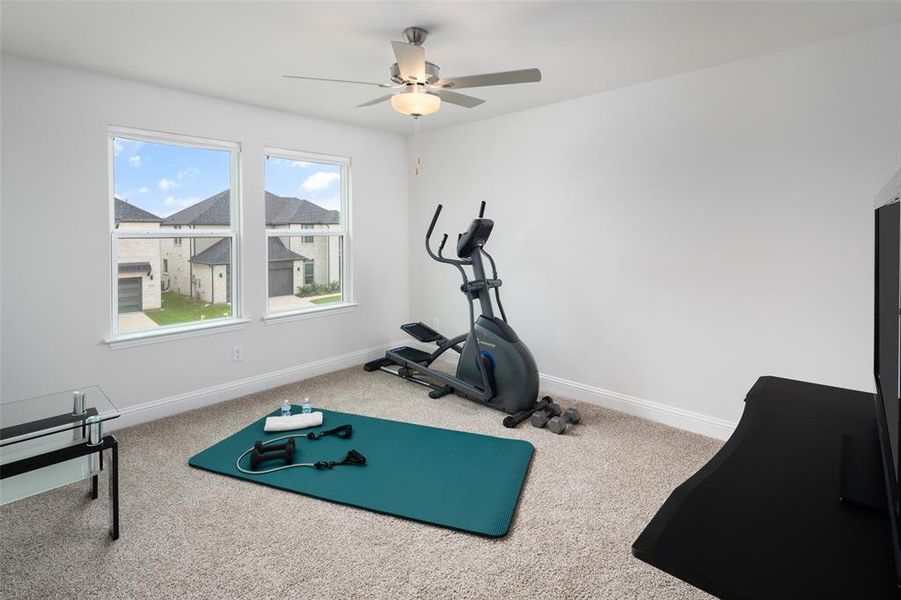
x=442 y=391
x=422 y=332
x=405 y=354
x=375 y=365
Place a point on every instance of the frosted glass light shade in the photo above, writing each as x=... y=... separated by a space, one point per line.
x=415 y=103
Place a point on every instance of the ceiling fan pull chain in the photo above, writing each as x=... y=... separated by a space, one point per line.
x=417 y=166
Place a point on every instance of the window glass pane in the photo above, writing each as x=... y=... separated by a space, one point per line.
x=162 y=283
x=302 y=195
x=304 y=275
x=165 y=185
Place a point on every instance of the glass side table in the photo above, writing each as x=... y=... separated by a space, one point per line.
x=54 y=440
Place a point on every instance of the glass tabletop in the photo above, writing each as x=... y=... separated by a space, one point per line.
x=46 y=415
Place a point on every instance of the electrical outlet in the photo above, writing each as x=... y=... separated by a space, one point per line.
x=237 y=353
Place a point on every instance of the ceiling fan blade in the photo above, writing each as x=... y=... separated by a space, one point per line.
x=410 y=61
x=486 y=79
x=374 y=101
x=383 y=85
x=458 y=99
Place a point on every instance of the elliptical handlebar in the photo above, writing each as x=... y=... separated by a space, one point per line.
x=434 y=222
x=428 y=245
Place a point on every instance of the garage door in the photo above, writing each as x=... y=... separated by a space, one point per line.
x=130 y=294
x=281 y=278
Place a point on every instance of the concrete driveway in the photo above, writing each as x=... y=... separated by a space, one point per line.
x=135 y=321
x=283 y=303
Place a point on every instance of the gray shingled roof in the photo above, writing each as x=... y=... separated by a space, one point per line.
x=217 y=254
x=220 y=253
x=129 y=213
x=278 y=251
x=280 y=210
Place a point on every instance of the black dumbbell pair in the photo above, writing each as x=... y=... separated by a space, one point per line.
x=263 y=452
x=552 y=418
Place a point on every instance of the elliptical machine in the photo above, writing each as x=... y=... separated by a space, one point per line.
x=495 y=367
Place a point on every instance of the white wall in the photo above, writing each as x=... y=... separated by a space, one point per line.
x=675 y=240
x=55 y=189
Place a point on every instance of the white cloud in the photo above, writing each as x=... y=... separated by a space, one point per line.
x=122 y=144
x=167 y=184
x=319 y=181
x=143 y=190
x=291 y=163
x=135 y=160
x=177 y=204
x=187 y=172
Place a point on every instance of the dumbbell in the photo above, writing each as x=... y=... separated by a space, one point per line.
x=263 y=452
x=558 y=425
x=541 y=417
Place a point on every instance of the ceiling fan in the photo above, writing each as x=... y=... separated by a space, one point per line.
x=419 y=87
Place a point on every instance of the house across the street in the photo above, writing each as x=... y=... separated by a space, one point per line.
x=200 y=267
x=138 y=260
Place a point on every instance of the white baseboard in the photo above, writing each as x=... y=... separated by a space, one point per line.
x=156 y=409
x=654 y=411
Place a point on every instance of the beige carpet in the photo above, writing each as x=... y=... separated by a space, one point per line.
x=187 y=533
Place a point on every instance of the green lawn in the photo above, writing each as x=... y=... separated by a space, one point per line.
x=327 y=299
x=178 y=308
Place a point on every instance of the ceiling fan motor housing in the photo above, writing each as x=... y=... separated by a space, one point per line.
x=431 y=73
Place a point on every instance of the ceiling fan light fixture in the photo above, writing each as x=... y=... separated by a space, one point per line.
x=415 y=103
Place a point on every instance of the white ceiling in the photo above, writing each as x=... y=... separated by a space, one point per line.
x=239 y=50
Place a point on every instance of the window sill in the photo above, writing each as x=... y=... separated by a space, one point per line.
x=309 y=313
x=153 y=336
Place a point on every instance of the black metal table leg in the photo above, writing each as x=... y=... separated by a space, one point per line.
x=114 y=485
x=113 y=446
x=94 y=487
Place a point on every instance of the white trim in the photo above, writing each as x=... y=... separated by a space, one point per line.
x=653 y=411
x=175 y=332
x=680 y=418
x=668 y=415
x=164 y=137
x=344 y=231
x=304 y=156
x=156 y=409
x=310 y=313
x=125 y=234
x=234 y=232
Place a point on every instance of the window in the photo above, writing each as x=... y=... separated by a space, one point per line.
x=165 y=186
x=307 y=215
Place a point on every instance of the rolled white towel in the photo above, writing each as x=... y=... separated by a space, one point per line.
x=300 y=421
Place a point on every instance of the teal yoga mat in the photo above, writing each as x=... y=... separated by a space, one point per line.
x=448 y=478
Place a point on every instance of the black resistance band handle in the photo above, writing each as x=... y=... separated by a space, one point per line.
x=353 y=459
x=343 y=432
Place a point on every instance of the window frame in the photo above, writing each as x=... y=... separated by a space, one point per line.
x=345 y=268
x=234 y=234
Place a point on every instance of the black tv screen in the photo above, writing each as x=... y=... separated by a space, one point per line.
x=887 y=356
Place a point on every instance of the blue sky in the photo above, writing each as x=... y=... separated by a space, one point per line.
x=164 y=179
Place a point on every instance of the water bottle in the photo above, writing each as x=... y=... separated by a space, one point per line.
x=307 y=407
x=286 y=409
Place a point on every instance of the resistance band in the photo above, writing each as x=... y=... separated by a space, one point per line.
x=353 y=457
